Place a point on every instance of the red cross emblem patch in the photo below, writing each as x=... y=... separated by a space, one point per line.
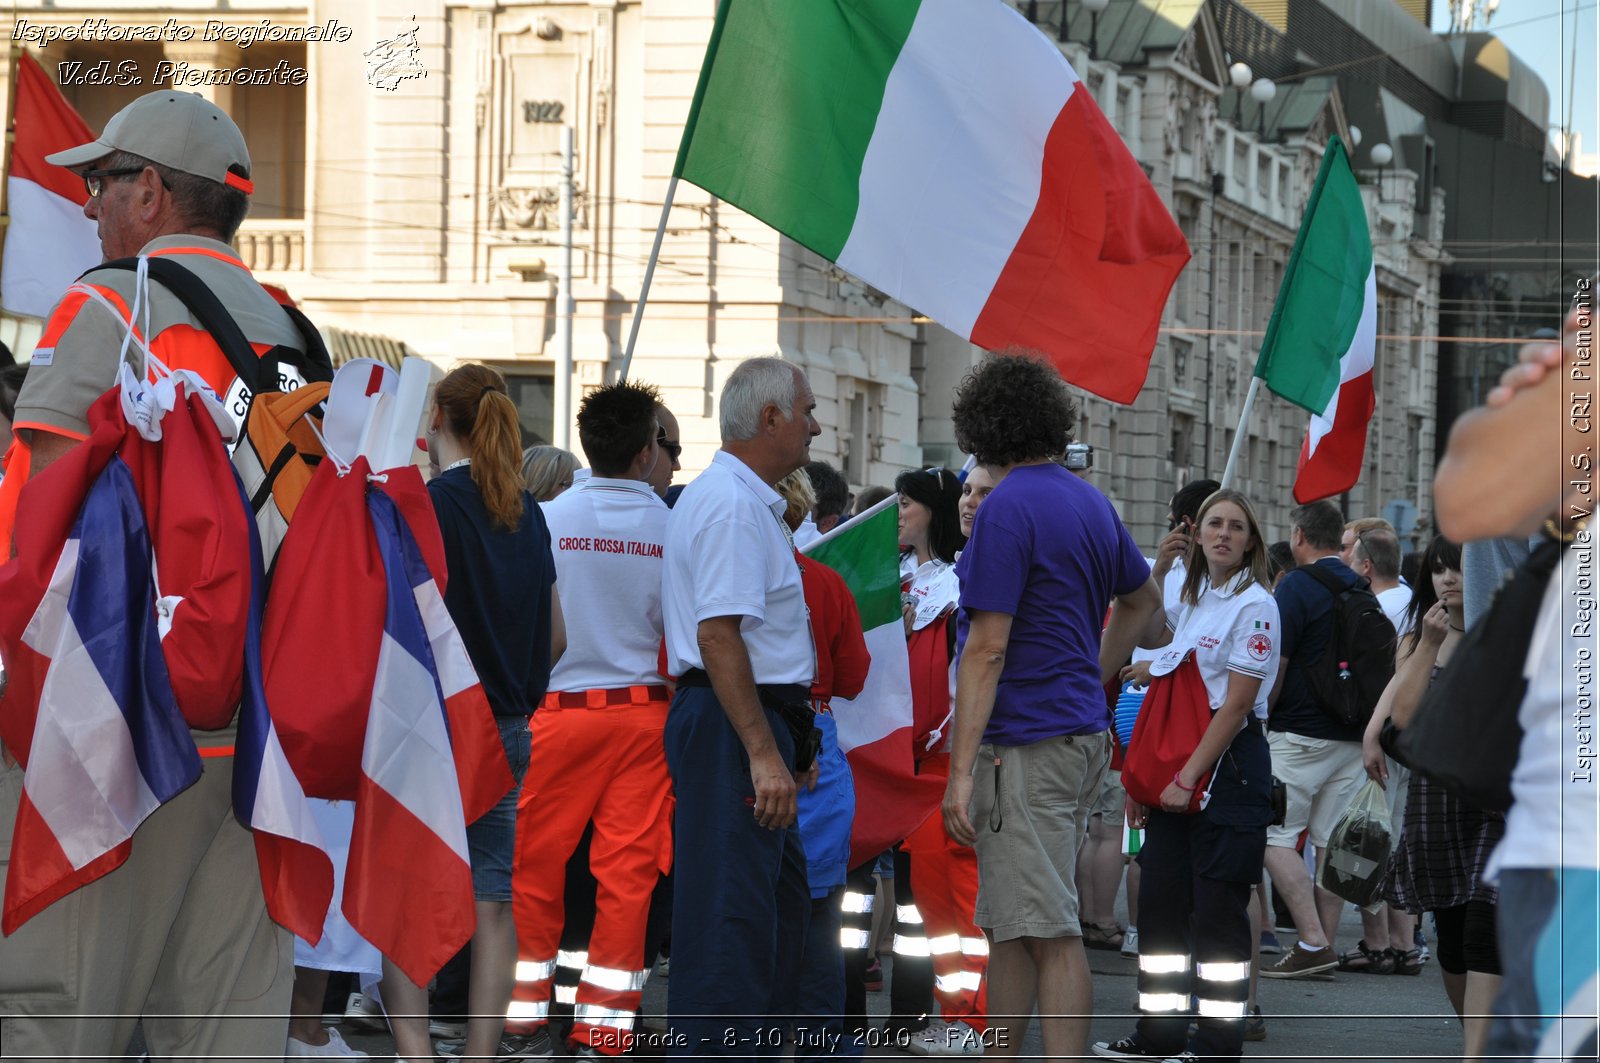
x=1260 y=646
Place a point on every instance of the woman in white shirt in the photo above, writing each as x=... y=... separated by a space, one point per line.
x=1195 y=934
x=943 y=876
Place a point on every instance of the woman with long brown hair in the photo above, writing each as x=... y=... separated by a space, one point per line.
x=501 y=595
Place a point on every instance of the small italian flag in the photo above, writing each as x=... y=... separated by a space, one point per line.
x=945 y=152
x=875 y=726
x=1318 y=351
x=49 y=242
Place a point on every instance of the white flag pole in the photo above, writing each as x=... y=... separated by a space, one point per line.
x=1238 y=435
x=649 y=272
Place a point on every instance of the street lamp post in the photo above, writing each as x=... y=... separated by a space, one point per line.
x=1094 y=7
x=1382 y=155
x=1262 y=92
x=1239 y=74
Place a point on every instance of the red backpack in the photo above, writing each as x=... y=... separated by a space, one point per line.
x=1174 y=717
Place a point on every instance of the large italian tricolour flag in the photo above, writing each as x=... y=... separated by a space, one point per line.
x=875 y=726
x=945 y=152
x=48 y=241
x=1319 y=347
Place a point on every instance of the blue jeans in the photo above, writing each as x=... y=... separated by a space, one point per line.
x=1549 y=926
x=492 y=838
x=739 y=902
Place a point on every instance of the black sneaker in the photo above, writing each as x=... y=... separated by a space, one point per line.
x=1126 y=1048
x=529 y=1046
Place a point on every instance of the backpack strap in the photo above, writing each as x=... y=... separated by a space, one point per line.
x=319 y=366
x=256 y=371
x=204 y=304
x=1330 y=581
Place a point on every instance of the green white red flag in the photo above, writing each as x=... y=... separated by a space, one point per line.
x=875 y=726
x=945 y=152
x=1320 y=344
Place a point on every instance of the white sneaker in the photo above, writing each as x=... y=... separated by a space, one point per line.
x=1130 y=941
x=449 y=1031
x=940 y=1038
x=363 y=1013
x=336 y=1048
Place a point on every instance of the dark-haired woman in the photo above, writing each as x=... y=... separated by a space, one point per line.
x=1445 y=843
x=944 y=875
x=501 y=595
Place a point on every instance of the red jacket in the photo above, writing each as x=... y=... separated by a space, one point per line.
x=842 y=657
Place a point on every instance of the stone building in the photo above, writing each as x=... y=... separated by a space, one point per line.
x=408 y=197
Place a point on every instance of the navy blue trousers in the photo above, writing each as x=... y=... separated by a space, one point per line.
x=739 y=904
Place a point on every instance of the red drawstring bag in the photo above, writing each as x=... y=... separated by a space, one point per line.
x=1176 y=713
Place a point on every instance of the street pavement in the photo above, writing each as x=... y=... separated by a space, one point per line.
x=1354 y=1016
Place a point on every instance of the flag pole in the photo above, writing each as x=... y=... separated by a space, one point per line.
x=13 y=69
x=649 y=272
x=1238 y=435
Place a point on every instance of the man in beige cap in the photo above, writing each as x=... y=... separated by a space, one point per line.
x=179 y=934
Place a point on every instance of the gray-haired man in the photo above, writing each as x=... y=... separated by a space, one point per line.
x=739 y=640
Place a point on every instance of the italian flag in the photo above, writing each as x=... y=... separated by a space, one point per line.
x=1318 y=351
x=48 y=240
x=945 y=152
x=875 y=727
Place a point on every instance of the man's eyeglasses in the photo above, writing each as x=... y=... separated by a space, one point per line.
x=94 y=180
x=673 y=449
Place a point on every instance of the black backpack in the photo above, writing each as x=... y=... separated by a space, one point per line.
x=1358 y=661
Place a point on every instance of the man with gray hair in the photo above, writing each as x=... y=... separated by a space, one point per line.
x=739 y=642
x=178 y=932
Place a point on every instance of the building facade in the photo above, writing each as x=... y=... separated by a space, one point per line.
x=408 y=191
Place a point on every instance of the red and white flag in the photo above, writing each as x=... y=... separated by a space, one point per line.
x=49 y=241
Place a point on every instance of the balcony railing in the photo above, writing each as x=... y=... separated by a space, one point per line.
x=273 y=245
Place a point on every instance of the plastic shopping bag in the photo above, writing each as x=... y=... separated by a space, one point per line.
x=1358 y=850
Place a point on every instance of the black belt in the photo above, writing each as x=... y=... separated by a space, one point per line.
x=771 y=694
x=792 y=703
x=1255 y=723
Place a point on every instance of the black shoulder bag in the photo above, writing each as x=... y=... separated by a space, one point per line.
x=1466 y=735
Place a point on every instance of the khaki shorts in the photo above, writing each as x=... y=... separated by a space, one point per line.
x=1030 y=807
x=1321 y=776
x=1108 y=803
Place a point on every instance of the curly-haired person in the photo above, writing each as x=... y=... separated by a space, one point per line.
x=1047 y=556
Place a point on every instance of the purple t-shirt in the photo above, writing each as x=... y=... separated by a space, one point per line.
x=1049 y=551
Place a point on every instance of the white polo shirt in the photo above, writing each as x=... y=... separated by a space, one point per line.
x=1229 y=631
x=728 y=554
x=609 y=539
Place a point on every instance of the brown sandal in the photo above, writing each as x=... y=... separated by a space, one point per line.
x=1096 y=936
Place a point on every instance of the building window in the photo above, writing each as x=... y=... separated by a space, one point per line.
x=534 y=395
x=1181 y=445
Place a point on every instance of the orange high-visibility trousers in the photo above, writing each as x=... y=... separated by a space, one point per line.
x=605 y=764
x=944 y=877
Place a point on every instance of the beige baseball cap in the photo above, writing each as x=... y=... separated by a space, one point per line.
x=182 y=130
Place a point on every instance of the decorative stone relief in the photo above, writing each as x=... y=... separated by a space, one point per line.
x=534 y=209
